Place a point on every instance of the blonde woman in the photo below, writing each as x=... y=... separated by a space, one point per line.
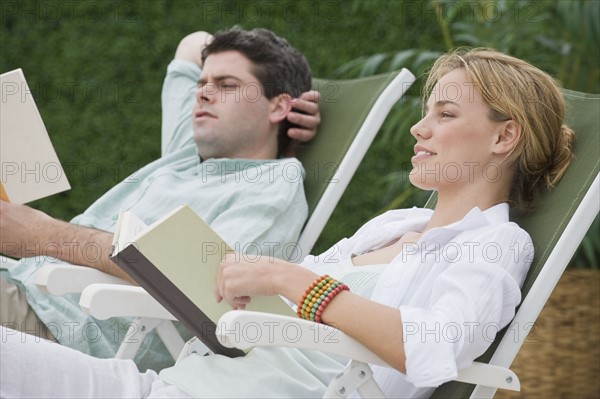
x=425 y=290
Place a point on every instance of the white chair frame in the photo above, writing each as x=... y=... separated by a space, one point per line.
x=60 y=279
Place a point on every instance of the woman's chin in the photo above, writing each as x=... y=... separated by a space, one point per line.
x=423 y=182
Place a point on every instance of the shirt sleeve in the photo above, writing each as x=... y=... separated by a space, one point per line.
x=252 y=225
x=472 y=299
x=177 y=98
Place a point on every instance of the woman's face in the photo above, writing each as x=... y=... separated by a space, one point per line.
x=455 y=137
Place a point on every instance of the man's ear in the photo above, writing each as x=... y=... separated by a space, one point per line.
x=507 y=137
x=280 y=107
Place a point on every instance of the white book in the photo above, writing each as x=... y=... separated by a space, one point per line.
x=30 y=167
x=176 y=259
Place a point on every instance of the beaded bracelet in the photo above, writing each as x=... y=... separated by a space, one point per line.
x=300 y=311
x=311 y=295
x=327 y=298
x=317 y=296
x=313 y=305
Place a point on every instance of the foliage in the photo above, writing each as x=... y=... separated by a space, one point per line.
x=96 y=68
x=560 y=37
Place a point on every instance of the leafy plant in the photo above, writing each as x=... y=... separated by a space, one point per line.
x=560 y=37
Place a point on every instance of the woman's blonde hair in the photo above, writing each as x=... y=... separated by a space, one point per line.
x=516 y=90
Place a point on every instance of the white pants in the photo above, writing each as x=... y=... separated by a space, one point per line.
x=35 y=368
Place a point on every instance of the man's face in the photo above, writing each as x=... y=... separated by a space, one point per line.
x=231 y=116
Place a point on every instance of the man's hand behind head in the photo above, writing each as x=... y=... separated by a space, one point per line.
x=306 y=118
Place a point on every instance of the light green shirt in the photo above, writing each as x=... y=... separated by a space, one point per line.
x=257 y=206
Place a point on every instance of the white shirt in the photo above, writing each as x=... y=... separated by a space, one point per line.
x=455 y=289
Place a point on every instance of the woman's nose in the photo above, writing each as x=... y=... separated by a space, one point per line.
x=420 y=129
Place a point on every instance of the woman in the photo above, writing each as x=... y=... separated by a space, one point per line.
x=434 y=286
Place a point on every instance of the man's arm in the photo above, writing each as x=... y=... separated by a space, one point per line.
x=190 y=47
x=27 y=232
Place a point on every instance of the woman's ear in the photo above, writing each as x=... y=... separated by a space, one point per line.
x=280 y=107
x=507 y=137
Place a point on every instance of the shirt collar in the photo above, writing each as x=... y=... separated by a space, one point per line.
x=474 y=219
x=393 y=224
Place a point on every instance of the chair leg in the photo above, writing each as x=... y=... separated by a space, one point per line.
x=141 y=327
x=170 y=337
x=135 y=335
x=483 y=392
x=357 y=376
x=196 y=346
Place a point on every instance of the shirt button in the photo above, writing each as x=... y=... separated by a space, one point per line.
x=387 y=284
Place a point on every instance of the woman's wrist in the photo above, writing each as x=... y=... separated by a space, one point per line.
x=291 y=280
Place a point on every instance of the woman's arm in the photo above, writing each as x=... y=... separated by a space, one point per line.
x=376 y=326
x=467 y=296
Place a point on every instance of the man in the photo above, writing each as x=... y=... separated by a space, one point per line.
x=223 y=163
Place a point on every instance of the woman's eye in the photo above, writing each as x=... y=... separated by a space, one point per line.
x=446 y=115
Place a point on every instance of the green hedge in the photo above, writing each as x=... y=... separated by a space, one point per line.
x=96 y=70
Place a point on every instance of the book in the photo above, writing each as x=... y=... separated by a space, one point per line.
x=176 y=260
x=30 y=167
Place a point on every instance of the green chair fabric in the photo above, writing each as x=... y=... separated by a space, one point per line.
x=556 y=206
x=352 y=112
x=344 y=107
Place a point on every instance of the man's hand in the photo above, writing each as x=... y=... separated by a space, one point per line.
x=307 y=119
x=27 y=232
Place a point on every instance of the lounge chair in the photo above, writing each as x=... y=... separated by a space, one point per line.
x=352 y=111
x=557 y=228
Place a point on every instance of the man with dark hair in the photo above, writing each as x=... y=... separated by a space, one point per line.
x=279 y=68
x=223 y=161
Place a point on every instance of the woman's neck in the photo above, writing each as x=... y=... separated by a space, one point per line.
x=452 y=206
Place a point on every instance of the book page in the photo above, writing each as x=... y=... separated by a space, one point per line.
x=188 y=252
x=129 y=226
x=30 y=168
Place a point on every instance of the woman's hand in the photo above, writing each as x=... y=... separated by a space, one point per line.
x=241 y=277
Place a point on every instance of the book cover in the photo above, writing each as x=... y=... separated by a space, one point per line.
x=30 y=167
x=176 y=260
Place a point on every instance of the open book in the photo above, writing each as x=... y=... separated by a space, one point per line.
x=176 y=260
x=30 y=168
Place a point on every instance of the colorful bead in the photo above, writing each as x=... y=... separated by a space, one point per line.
x=317 y=296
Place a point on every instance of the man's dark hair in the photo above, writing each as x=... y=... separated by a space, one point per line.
x=279 y=67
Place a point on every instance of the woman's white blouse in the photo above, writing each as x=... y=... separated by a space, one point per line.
x=455 y=288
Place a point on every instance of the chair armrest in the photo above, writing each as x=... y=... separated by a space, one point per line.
x=245 y=329
x=489 y=375
x=110 y=300
x=61 y=279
